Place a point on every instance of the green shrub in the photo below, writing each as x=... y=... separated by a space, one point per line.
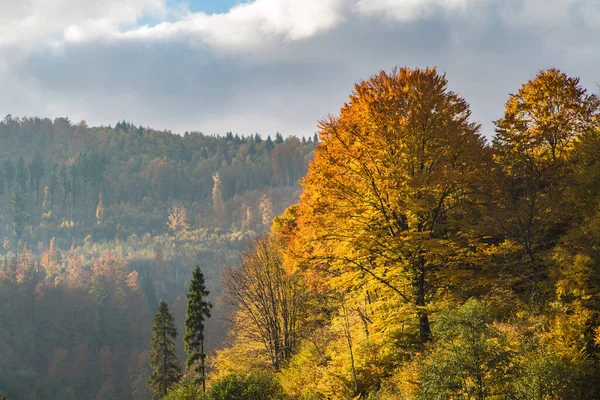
x=253 y=386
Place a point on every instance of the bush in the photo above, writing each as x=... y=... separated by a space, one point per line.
x=253 y=386
x=186 y=391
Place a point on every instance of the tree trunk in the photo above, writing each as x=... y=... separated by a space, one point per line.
x=424 y=328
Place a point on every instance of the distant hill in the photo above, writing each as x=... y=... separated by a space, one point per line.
x=114 y=219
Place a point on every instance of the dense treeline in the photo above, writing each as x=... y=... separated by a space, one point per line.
x=63 y=168
x=423 y=262
x=101 y=224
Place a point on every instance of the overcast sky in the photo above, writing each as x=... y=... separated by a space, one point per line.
x=274 y=65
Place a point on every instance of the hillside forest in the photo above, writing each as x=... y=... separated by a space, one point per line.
x=397 y=254
x=100 y=224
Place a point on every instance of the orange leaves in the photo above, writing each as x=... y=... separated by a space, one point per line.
x=392 y=170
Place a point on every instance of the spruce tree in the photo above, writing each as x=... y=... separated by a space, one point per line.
x=165 y=367
x=198 y=311
x=17 y=212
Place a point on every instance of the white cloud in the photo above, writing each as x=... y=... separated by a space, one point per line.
x=274 y=65
x=38 y=22
x=250 y=26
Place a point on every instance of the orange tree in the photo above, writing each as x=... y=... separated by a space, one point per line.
x=390 y=201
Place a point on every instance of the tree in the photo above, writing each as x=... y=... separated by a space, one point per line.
x=471 y=358
x=179 y=225
x=163 y=359
x=270 y=301
x=198 y=311
x=100 y=210
x=390 y=197
x=533 y=148
x=218 y=202
x=17 y=212
x=21 y=174
x=9 y=173
x=266 y=210
x=37 y=171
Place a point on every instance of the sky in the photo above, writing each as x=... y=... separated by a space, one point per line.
x=267 y=66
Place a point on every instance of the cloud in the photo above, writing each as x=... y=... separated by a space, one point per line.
x=408 y=10
x=36 y=23
x=274 y=65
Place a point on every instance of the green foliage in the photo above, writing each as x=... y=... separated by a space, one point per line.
x=163 y=359
x=185 y=391
x=17 y=211
x=471 y=358
x=198 y=312
x=252 y=386
x=552 y=376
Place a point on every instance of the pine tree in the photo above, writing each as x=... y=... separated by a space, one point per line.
x=198 y=311
x=163 y=359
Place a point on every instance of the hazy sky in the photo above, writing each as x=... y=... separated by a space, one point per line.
x=274 y=65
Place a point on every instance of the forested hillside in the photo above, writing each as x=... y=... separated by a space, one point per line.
x=423 y=261
x=101 y=223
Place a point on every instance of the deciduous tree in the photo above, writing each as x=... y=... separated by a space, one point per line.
x=390 y=196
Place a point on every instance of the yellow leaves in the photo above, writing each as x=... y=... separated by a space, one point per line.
x=544 y=119
x=575 y=279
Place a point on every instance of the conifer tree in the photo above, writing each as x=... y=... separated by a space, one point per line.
x=18 y=214
x=163 y=359
x=198 y=311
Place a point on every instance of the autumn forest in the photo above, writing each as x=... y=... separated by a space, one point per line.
x=398 y=253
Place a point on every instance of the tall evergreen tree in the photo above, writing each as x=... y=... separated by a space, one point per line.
x=163 y=359
x=198 y=311
x=17 y=212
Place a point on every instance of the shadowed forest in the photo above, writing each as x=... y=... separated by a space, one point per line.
x=397 y=254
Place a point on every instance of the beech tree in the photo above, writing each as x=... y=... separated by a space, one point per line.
x=533 y=149
x=389 y=196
